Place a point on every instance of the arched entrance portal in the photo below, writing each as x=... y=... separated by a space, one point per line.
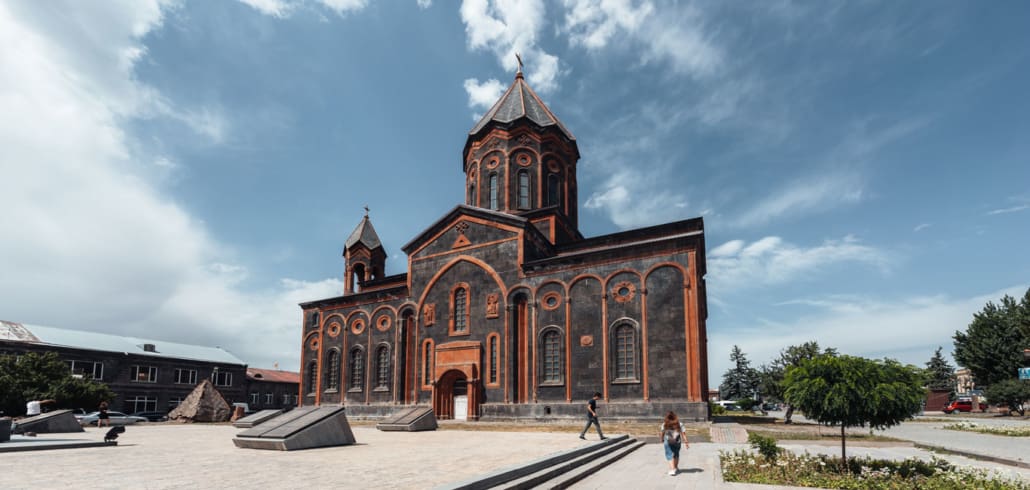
x=457 y=392
x=451 y=400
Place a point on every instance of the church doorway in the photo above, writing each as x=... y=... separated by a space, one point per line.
x=452 y=401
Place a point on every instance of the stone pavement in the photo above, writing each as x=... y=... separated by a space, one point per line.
x=1004 y=448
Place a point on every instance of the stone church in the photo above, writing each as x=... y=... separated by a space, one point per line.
x=506 y=310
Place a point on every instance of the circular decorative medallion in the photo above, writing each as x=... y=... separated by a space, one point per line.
x=313 y=343
x=383 y=323
x=551 y=301
x=624 y=291
x=493 y=162
x=357 y=326
x=552 y=165
x=586 y=340
x=523 y=160
x=334 y=329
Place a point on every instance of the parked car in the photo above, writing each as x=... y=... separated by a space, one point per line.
x=152 y=416
x=963 y=405
x=116 y=418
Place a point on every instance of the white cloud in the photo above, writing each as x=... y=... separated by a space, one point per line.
x=736 y=265
x=593 y=23
x=275 y=8
x=1012 y=209
x=504 y=28
x=632 y=201
x=915 y=327
x=810 y=194
x=920 y=227
x=341 y=7
x=483 y=95
x=424 y=4
x=90 y=243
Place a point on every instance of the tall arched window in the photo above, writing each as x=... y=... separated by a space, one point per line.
x=383 y=367
x=312 y=377
x=333 y=375
x=460 y=298
x=492 y=351
x=357 y=369
x=625 y=352
x=493 y=192
x=472 y=193
x=553 y=190
x=552 y=357
x=523 y=189
x=427 y=363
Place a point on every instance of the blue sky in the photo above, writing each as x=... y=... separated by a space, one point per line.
x=189 y=170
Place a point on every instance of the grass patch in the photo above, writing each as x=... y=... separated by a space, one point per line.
x=826 y=436
x=988 y=429
x=827 y=472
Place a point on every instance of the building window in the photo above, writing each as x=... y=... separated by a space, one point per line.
x=625 y=352
x=553 y=190
x=87 y=369
x=383 y=368
x=523 y=189
x=357 y=369
x=221 y=378
x=493 y=192
x=269 y=398
x=459 y=310
x=427 y=363
x=174 y=402
x=493 y=362
x=144 y=374
x=312 y=378
x=142 y=403
x=253 y=398
x=472 y=192
x=333 y=376
x=286 y=399
x=552 y=357
x=185 y=376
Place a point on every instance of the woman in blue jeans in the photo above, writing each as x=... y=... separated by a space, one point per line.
x=673 y=437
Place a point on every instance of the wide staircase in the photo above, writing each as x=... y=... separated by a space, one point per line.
x=556 y=471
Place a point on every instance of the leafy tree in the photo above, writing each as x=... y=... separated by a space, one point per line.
x=992 y=346
x=741 y=380
x=45 y=376
x=771 y=376
x=1012 y=392
x=940 y=375
x=854 y=392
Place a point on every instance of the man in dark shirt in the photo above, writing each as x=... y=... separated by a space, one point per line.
x=592 y=417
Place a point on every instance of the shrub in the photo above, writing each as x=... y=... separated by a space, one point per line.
x=766 y=446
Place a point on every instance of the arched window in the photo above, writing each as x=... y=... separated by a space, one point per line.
x=383 y=367
x=625 y=352
x=357 y=369
x=459 y=322
x=493 y=192
x=472 y=193
x=312 y=377
x=552 y=357
x=427 y=363
x=523 y=189
x=492 y=351
x=553 y=190
x=333 y=375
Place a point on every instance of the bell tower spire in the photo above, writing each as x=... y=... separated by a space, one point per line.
x=364 y=256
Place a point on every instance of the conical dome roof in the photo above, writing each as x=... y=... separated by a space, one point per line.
x=364 y=234
x=520 y=101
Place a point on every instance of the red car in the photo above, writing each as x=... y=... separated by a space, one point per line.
x=963 y=406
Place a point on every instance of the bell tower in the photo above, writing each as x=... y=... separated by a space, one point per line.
x=364 y=256
x=520 y=159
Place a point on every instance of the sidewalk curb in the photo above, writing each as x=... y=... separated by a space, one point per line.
x=981 y=457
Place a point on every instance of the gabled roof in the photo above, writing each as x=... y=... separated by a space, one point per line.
x=520 y=101
x=364 y=234
x=77 y=339
x=462 y=209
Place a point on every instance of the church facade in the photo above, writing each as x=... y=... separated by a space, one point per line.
x=506 y=310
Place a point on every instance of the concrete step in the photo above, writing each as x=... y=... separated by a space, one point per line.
x=572 y=477
x=549 y=473
x=500 y=477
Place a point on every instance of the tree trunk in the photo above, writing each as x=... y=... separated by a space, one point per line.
x=789 y=414
x=843 y=452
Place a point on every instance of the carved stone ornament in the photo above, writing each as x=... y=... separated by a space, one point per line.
x=429 y=314
x=383 y=323
x=551 y=301
x=491 y=306
x=586 y=340
x=624 y=291
x=334 y=329
x=524 y=160
x=357 y=326
x=313 y=343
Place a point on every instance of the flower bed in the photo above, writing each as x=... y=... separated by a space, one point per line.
x=865 y=473
x=988 y=429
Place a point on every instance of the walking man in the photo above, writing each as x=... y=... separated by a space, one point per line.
x=592 y=417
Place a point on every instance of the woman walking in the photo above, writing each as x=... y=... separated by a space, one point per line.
x=673 y=437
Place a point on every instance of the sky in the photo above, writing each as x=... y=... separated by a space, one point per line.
x=189 y=170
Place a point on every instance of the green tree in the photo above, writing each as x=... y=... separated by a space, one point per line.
x=1014 y=393
x=940 y=374
x=854 y=392
x=45 y=376
x=992 y=346
x=771 y=376
x=741 y=380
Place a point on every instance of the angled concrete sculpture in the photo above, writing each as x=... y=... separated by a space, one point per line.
x=302 y=428
x=410 y=420
x=204 y=404
x=58 y=421
x=256 y=419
